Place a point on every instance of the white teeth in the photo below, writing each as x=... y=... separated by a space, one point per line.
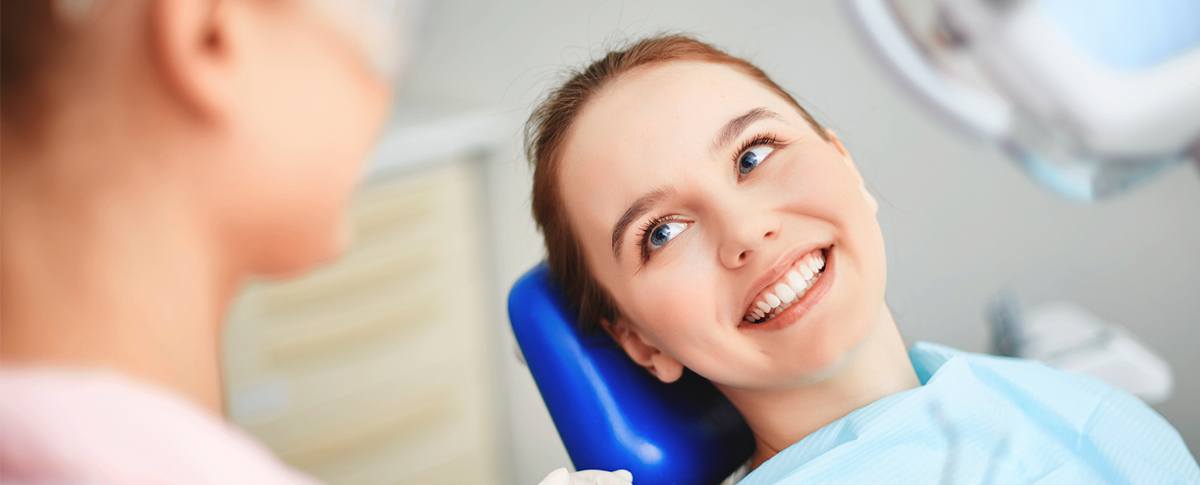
x=773 y=300
x=785 y=293
x=796 y=281
x=793 y=286
x=806 y=272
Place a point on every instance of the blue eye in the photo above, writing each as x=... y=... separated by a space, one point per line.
x=750 y=159
x=664 y=233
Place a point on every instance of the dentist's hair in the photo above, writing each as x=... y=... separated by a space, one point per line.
x=547 y=129
x=29 y=39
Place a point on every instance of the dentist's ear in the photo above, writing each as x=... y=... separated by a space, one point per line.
x=862 y=186
x=645 y=354
x=194 y=46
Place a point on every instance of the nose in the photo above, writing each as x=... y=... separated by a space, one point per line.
x=745 y=237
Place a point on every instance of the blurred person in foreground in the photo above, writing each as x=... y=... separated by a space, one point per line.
x=156 y=155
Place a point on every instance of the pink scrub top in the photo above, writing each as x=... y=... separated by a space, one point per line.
x=78 y=426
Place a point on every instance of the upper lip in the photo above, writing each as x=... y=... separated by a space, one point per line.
x=776 y=271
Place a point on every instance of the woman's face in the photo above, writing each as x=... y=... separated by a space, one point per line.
x=704 y=202
x=307 y=111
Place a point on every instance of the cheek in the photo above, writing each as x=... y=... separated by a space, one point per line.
x=666 y=302
x=308 y=125
x=678 y=308
x=314 y=105
x=816 y=180
x=329 y=134
x=822 y=186
x=824 y=190
x=665 y=299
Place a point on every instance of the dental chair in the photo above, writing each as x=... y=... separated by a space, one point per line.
x=612 y=414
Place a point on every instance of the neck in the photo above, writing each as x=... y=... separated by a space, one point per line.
x=877 y=367
x=109 y=270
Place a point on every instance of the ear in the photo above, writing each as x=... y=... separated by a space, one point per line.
x=862 y=186
x=645 y=354
x=192 y=46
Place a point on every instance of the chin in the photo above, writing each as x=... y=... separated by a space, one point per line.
x=290 y=257
x=824 y=352
x=822 y=357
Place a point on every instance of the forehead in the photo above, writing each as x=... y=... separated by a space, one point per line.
x=647 y=129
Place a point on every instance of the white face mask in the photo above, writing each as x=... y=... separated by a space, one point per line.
x=379 y=27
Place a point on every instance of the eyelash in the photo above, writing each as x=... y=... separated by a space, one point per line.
x=763 y=139
x=644 y=233
x=646 y=227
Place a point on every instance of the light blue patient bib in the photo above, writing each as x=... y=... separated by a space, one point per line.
x=989 y=420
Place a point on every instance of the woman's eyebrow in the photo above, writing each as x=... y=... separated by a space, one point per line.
x=635 y=210
x=735 y=126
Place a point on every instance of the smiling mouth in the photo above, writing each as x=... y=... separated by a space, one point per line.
x=789 y=289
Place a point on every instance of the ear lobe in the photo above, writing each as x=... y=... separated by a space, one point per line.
x=665 y=367
x=870 y=198
x=645 y=354
x=191 y=43
x=849 y=160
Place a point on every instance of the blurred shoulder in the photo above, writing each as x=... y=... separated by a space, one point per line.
x=62 y=425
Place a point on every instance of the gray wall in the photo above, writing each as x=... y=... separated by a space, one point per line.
x=961 y=222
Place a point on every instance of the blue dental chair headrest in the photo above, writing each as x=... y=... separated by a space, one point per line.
x=612 y=414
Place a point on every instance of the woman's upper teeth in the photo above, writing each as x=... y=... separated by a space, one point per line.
x=788 y=289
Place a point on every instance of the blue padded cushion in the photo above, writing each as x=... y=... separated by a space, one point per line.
x=611 y=413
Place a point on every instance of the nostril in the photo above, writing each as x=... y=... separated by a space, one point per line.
x=769 y=235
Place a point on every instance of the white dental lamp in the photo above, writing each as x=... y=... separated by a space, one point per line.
x=1091 y=97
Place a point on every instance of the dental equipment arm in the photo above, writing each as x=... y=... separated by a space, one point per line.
x=1091 y=97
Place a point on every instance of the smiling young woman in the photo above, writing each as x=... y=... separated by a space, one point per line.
x=697 y=213
x=733 y=230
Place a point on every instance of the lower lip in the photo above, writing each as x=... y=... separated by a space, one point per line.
x=799 y=309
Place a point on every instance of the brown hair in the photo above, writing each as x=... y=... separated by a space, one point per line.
x=547 y=129
x=30 y=41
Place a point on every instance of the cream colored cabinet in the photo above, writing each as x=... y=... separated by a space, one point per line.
x=377 y=368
